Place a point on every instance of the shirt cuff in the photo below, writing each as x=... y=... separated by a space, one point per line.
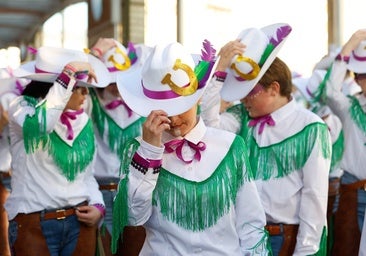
x=342 y=58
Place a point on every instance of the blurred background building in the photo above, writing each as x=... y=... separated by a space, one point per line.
x=318 y=25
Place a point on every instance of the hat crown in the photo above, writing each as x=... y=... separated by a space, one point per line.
x=162 y=62
x=115 y=56
x=52 y=59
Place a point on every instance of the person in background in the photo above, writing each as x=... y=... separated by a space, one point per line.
x=351 y=109
x=115 y=124
x=309 y=89
x=10 y=88
x=55 y=206
x=190 y=185
x=289 y=146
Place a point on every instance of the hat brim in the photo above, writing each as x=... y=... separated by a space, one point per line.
x=234 y=89
x=27 y=71
x=356 y=66
x=300 y=83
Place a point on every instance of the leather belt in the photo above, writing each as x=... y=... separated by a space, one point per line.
x=58 y=214
x=361 y=184
x=279 y=229
x=5 y=175
x=110 y=186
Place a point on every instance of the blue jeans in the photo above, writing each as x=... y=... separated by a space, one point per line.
x=276 y=244
x=361 y=198
x=61 y=236
x=108 y=197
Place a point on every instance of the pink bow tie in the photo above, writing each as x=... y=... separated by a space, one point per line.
x=115 y=103
x=262 y=121
x=65 y=119
x=177 y=145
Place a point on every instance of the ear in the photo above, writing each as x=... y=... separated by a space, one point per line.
x=275 y=86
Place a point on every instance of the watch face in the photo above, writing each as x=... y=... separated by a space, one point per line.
x=96 y=9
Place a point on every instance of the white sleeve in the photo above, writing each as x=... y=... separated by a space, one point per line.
x=313 y=206
x=141 y=186
x=251 y=220
x=210 y=109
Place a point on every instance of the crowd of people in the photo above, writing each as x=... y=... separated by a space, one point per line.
x=138 y=150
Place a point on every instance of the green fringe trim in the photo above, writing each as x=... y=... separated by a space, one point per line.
x=118 y=137
x=73 y=160
x=337 y=151
x=357 y=114
x=320 y=95
x=198 y=205
x=120 y=203
x=34 y=127
x=323 y=244
x=281 y=159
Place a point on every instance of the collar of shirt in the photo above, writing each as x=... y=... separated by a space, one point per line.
x=282 y=113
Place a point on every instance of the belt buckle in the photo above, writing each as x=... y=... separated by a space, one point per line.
x=63 y=214
x=114 y=184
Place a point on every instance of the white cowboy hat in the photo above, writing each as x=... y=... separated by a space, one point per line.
x=170 y=80
x=357 y=60
x=309 y=86
x=50 y=62
x=11 y=84
x=262 y=46
x=120 y=60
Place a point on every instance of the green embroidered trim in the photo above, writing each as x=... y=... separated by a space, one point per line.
x=73 y=160
x=120 y=203
x=198 y=205
x=263 y=244
x=357 y=114
x=117 y=136
x=323 y=244
x=34 y=127
x=337 y=151
x=281 y=159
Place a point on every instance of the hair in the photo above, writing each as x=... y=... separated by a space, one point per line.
x=278 y=71
x=37 y=89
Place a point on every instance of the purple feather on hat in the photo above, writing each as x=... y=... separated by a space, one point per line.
x=208 y=52
x=132 y=53
x=282 y=32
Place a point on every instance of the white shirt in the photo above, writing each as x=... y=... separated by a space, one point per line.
x=354 y=160
x=234 y=233
x=5 y=156
x=37 y=182
x=298 y=198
